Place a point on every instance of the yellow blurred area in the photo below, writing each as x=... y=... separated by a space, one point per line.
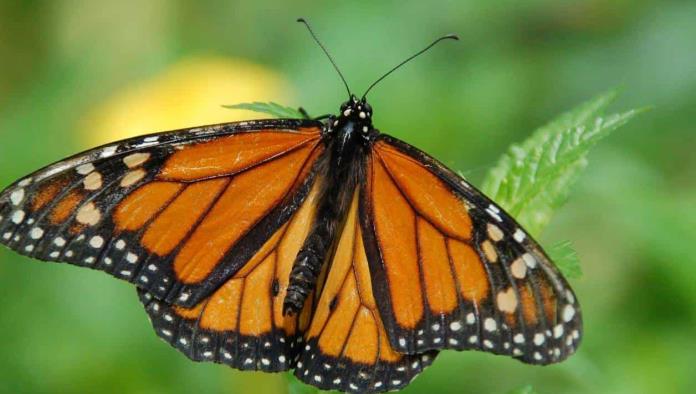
x=188 y=93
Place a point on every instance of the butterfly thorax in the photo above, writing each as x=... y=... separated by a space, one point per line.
x=353 y=121
x=347 y=138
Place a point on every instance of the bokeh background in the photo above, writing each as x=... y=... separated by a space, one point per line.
x=76 y=73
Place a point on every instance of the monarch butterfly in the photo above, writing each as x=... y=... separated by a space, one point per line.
x=319 y=245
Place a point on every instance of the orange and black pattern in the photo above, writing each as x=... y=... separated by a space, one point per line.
x=347 y=347
x=151 y=210
x=459 y=272
x=387 y=256
x=241 y=324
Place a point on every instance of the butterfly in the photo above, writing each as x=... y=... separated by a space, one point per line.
x=322 y=246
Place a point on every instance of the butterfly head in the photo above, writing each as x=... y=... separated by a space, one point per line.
x=358 y=112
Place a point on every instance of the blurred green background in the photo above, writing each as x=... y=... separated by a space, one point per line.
x=75 y=72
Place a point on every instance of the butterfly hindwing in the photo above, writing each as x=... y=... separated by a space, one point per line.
x=241 y=324
x=346 y=345
x=455 y=271
x=176 y=213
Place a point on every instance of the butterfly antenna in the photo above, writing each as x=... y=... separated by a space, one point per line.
x=446 y=37
x=304 y=21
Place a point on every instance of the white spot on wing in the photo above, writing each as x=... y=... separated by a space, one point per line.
x=490 y=325
x=132 y=177
x=494 y=212
x=530 y=260
x=93 y=181
x=109 y=151
x=136 y=159
x=85 y=169
x=519 y=235
x=17 y=196
x=88 y=214
x=18 y=217
x=36 y=233
x=507 y=300
x=470 y=318
x=518 y=268
x=570 y=297
x=494 y=232
x=96 y=242
x=568 y=313
x=539 y=339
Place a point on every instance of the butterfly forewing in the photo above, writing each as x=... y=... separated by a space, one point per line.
x=176 y=213
x=453 y=270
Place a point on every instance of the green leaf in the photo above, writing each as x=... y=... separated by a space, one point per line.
x=297 y=387
x=523 y=390
x=534 y=178
x=270 y=108
x=566 y=259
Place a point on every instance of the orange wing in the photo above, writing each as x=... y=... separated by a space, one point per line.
x=241 y=324
x=347 y=347
x=176 y=213
x=452 y=270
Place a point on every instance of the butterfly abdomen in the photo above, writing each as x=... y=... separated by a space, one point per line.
x=339 y=183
